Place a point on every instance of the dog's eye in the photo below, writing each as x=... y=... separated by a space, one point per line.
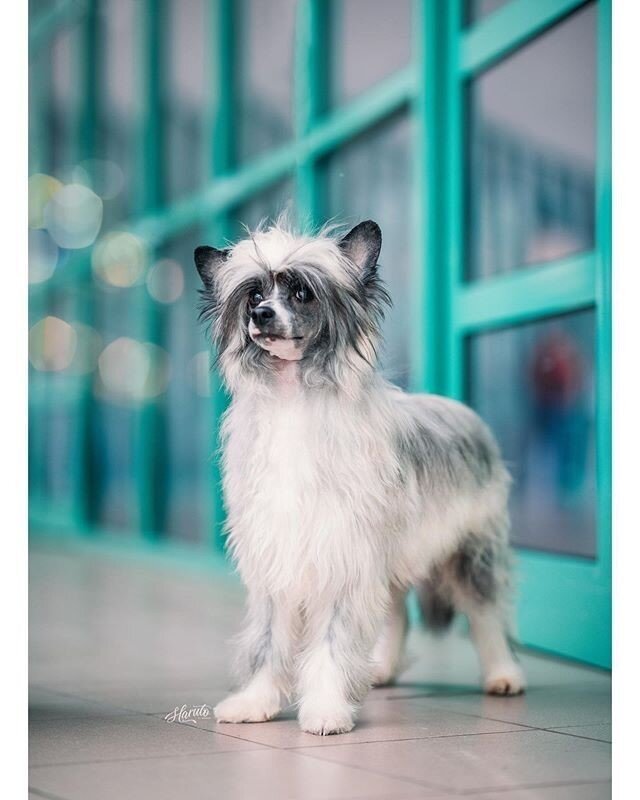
x=303 y=295
x=255 y=299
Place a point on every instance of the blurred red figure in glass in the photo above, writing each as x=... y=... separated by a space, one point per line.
x=560 y=413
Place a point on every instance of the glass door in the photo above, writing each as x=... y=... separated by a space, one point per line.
x=528 y=259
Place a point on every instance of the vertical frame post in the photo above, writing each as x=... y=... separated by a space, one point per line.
x=310 y=100
x=427 y=367
x=150 y=451
x=223 y=26
x=454 y=254
x=86 y=466
x=603 y=292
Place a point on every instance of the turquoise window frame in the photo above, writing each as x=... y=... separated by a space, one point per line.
x=564 y=601
x=557 y=592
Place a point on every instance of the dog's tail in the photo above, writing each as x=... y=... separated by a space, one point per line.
x=437 y=609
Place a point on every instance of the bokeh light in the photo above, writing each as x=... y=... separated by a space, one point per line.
x=43 y=256
x=41 y=189
x=88 y=348
x=199 y=373
x=165 y=281
x=52 y=344
x=73 y=216
x=119 y=259
x=104 y=177
x=132 y=371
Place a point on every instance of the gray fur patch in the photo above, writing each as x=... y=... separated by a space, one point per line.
x=436 y=608
x=474 y=567
x=261 y=647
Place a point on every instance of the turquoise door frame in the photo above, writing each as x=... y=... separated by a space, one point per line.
x=564 y=602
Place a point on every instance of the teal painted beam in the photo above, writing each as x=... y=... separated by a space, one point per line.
x=429 y=208
x=454 y=160
x=525 y=294
x=223 y=25
x=151 y=437
x=603 y=288
x=311 y=97
x=224 y=86
x=501 y=32
x=86 y=468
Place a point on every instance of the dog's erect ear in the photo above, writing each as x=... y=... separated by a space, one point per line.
x=362 y=246
x=208 y=259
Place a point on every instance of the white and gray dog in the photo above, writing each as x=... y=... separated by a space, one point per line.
x=342 y=491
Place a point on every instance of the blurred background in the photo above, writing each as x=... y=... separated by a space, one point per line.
x=475 y=133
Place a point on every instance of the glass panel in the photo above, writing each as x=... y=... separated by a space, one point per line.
x=65 y=97
x=54 y=344
x=112 y=174
x=189 y=75
x=120 y=389
x=534 y=385
x=476 y=9
x=173 y=283
x=532 y=151
x=370 y=40
x=371 y=177
x=265 y=36
x=39 y=116
x=265 y=206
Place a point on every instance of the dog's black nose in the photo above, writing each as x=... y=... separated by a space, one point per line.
x=262 y=314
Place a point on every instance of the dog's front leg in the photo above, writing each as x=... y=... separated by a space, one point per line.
x=265 y=658
x=335 y=671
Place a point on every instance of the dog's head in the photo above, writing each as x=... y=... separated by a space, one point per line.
x=278 y=297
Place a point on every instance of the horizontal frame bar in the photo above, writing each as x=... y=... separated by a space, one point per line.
x=506 y=29
x=528 y=293
x=579 y=593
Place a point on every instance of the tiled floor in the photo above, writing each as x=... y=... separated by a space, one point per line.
x=117 y=644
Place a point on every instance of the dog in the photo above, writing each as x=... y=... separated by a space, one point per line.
x=342 y=491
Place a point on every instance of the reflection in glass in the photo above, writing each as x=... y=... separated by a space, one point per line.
x=534 y=386
x=532 y=139
x=265 y=36
x=372 y=178
x=370 y=40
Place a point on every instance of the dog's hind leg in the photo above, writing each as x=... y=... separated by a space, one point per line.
x=389 y=650
x=267 y=652
x=479 y=575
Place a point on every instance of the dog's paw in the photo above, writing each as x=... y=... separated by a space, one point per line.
x=244 y=707
x=507 y=681
x=326 y=724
